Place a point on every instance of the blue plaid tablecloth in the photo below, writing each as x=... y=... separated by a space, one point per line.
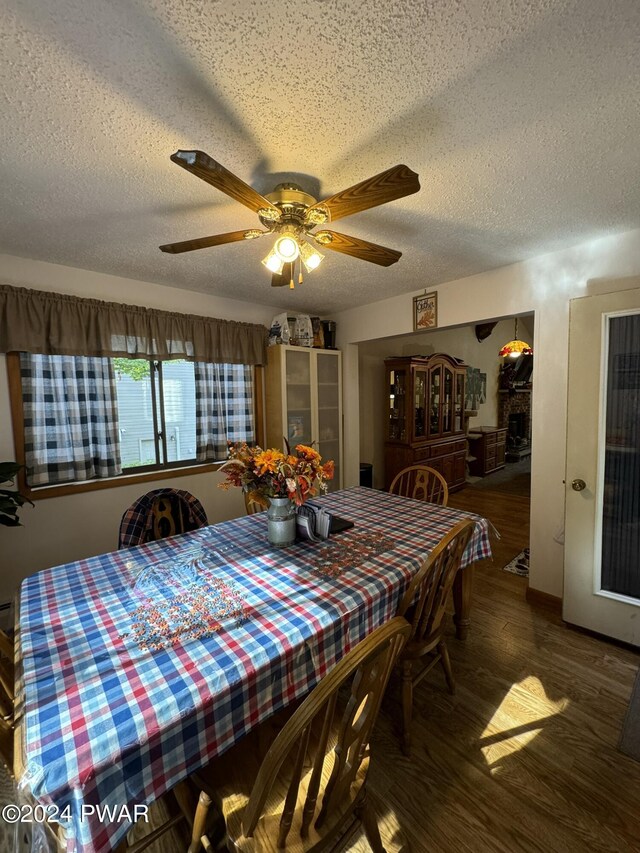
x=140 y=666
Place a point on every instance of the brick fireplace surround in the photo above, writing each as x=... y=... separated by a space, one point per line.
x=511 y=404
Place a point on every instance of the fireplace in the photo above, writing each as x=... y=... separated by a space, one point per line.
x=517 y=426
x=514 y=414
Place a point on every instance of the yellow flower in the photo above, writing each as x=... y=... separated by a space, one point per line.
x=268 y=461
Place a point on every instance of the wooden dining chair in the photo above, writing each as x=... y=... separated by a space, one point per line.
x=422 y=483
x=423 y=605
x=305 y=790
x=159 y=514
x=252 y=505
x=7 y=705
x=178 y=807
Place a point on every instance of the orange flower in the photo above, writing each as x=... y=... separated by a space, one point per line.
x=307 y=453
x=328 y=470
x=268 y=461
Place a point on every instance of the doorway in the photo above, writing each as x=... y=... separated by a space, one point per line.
x=496 y=429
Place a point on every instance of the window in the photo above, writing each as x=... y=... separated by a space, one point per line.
x=156 y=403
x=88 y=418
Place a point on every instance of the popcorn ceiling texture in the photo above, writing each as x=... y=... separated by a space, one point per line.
x=521 y=118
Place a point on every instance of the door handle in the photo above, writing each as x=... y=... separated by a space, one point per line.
x=578 y=485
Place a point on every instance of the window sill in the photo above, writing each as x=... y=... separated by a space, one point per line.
x=42 y=492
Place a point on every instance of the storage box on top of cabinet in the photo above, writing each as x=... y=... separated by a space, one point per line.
x=304 y=401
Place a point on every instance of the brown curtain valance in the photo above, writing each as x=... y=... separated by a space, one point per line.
x=55 y=324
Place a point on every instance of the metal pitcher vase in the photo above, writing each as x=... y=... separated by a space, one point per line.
x=281 y=522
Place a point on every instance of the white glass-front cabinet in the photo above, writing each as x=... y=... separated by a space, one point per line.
x=304 y=401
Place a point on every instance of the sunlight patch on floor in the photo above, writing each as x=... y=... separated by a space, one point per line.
x=526 y=700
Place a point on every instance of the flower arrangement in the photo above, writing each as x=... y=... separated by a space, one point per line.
x=264 y=474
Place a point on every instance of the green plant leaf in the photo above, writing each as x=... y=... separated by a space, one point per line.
x=8 y=471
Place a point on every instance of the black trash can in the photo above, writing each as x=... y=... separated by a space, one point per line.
x=366 y=474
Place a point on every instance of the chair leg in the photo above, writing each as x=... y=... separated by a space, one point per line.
x=182 y=795
x=370 y=824
x=407 y=706
x=446 y=665
x=199 y=822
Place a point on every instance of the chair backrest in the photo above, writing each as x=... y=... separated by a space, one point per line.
x=6 y=700
x=252 y=504
x=425 y=600
x=158 y=514
x=422 y=483
x=170 y=516
x=370 y=663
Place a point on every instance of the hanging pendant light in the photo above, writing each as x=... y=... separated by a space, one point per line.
x=515 y=347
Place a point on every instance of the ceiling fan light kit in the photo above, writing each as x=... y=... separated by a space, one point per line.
x=286 y=247
x=273 y=262
x=292 y=214
x=311 y=258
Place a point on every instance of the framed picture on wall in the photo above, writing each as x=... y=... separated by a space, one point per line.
x=482 y=390
x=472 y=389
x=425 y=311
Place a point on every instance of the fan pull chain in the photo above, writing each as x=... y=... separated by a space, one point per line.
x=291 y=284
x=299 y=272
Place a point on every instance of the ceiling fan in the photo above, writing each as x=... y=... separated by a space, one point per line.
x=294 y=215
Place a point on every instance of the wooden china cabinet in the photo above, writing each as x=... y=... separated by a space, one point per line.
x=425 y=417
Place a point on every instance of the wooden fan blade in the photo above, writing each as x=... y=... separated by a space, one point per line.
x=358 y=248
x=205 y=242
x=204 y=167
x=396 y=182
x=282 y=279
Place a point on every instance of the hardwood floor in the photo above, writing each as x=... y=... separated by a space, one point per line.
x=508 y=513
x=523 y=757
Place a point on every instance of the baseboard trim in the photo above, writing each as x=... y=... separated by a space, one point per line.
x=537 y=596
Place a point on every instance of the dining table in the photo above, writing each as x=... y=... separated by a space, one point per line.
x=140 y=666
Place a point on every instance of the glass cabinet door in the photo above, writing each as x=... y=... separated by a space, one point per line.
x=397 y=425
x=298 y=379
x=447 y=401
x=434 y=400
x=419 y=403
x=329 y=413
x=458 y=417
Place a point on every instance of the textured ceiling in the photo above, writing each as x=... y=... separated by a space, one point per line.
x=521 y=118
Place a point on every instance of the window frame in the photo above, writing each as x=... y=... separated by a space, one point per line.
x=142 y=474
x=158 y=416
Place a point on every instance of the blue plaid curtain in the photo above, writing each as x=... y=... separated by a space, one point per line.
x=224 y=408
x=70 y=418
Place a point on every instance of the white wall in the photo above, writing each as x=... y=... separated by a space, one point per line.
x=542 y=285
x=58 y=530
x=461 y=343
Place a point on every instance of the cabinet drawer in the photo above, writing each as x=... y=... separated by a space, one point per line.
x=448 y=447
x=420 y=453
